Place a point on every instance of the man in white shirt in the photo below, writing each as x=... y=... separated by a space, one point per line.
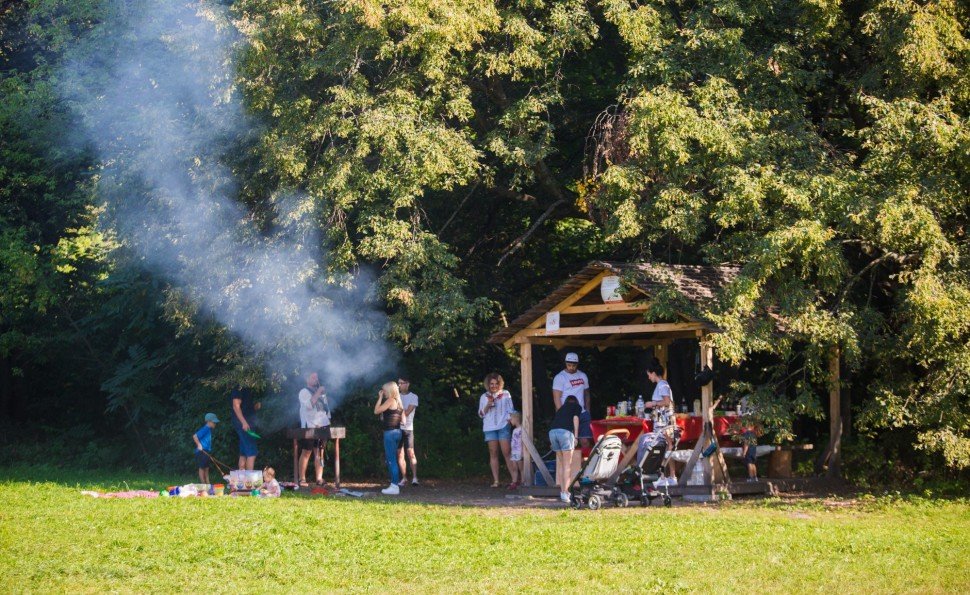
x=410 y=402
x=572 y=382
x=314 y=413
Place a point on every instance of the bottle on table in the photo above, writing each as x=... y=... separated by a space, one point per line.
x=640 y=406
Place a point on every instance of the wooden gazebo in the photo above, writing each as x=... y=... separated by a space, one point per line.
x=585 y=311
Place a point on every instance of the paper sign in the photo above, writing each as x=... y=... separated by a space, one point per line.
x=610 y=290
x=552 y=322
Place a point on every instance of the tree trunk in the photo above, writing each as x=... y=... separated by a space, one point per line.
x=6 y=389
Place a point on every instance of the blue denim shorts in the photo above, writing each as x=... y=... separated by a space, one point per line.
x=500 y=434
x=561 y=439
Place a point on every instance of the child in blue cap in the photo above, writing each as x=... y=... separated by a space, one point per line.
x=203 y=445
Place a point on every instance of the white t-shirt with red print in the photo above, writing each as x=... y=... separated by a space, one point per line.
x=575 y=384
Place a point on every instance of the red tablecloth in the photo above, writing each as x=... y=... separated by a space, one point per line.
x=690 y=426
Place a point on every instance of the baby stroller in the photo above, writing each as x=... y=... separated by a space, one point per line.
x=590 y=488
x=646 y=480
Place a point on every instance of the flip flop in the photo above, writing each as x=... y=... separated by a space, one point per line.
x=304 y=484
x=495 y=485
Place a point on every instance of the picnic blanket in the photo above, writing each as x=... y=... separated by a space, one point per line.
x=124 y=495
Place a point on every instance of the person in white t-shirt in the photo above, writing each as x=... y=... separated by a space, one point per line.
x=410 y=401
x=662 y=403
x=495 y=407
x=572 y=382
x=314 y=413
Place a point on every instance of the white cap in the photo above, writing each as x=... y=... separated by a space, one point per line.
x=572 y=358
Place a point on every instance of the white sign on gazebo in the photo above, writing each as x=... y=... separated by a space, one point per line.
x=610 y=290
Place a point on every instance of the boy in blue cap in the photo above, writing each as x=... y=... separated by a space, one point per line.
x=203 y=444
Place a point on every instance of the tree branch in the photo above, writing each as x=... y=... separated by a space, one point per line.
x=521 y=240
x=453 y=215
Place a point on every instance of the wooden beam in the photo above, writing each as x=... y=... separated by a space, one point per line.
x=588 y=309
x=530 y=448
x=525 y=351
x=619 y=329
x=835 y=415
x=707 y=397
x=566 y=342
x=596 y=319
x=569 y=301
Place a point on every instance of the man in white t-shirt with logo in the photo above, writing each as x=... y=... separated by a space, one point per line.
x=572 y=382
x=314 y=413
x=410 y=402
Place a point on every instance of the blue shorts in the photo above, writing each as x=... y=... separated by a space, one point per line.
x=500 y=434
x=585 y=429
x=201 y=459
x=751 y=454
x=247 y=444
x=561 y=439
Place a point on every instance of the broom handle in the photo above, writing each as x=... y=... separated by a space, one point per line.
x=216 y=461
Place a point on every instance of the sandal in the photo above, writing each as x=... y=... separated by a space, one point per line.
x=304 y=484
x=513 y=486
x=495 y=485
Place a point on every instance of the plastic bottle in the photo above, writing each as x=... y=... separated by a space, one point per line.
x=639 y=406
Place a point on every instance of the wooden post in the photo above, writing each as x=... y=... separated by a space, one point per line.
x=525 y=352
x=835 y=414
x=707 y=397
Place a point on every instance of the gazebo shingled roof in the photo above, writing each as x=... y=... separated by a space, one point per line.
x=698 y=284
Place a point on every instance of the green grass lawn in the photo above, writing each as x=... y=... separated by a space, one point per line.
x=53 y=538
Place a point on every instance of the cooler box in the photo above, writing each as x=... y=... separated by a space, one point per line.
x=539 y=480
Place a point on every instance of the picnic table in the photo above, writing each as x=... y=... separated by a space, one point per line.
x=690 y=425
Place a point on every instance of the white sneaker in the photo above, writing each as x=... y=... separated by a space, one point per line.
x=391 y=490
x=402 y=483
x=414 y=481
x=564 y=496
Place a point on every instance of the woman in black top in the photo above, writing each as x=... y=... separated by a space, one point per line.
x=562 y=437
x=391 y=409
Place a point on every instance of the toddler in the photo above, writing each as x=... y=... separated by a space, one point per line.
x=203 y=445
x=515 y=418
x=271 y=487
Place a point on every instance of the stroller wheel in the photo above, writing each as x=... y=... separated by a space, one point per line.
x=594 y=502
x=667 y=501
x=576 y=501
x=621 y=500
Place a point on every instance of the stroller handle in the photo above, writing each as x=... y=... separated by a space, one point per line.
x=623 y=433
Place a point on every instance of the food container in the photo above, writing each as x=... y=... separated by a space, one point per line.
x=245 y=481
x=218 y=489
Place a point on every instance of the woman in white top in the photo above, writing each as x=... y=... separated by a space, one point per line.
x=495 y=407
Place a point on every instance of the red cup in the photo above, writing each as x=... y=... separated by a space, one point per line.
x=611 y=410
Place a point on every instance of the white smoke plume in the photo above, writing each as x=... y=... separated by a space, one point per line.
x=155 y=86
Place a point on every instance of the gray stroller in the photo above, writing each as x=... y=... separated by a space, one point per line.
x=590 y=488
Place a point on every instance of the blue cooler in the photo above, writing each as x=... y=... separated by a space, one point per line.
x=539 y=480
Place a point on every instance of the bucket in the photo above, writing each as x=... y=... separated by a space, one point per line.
x=539 y=480
x=218 y=489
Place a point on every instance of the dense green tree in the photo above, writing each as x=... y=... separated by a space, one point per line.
x=475 y=153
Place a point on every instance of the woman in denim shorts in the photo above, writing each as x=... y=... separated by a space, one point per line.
x=494 y=407
x=562 y=437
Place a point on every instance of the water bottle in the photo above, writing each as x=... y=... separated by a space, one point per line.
x=640 y=406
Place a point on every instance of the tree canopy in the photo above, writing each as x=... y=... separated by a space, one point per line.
x=474 y=153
